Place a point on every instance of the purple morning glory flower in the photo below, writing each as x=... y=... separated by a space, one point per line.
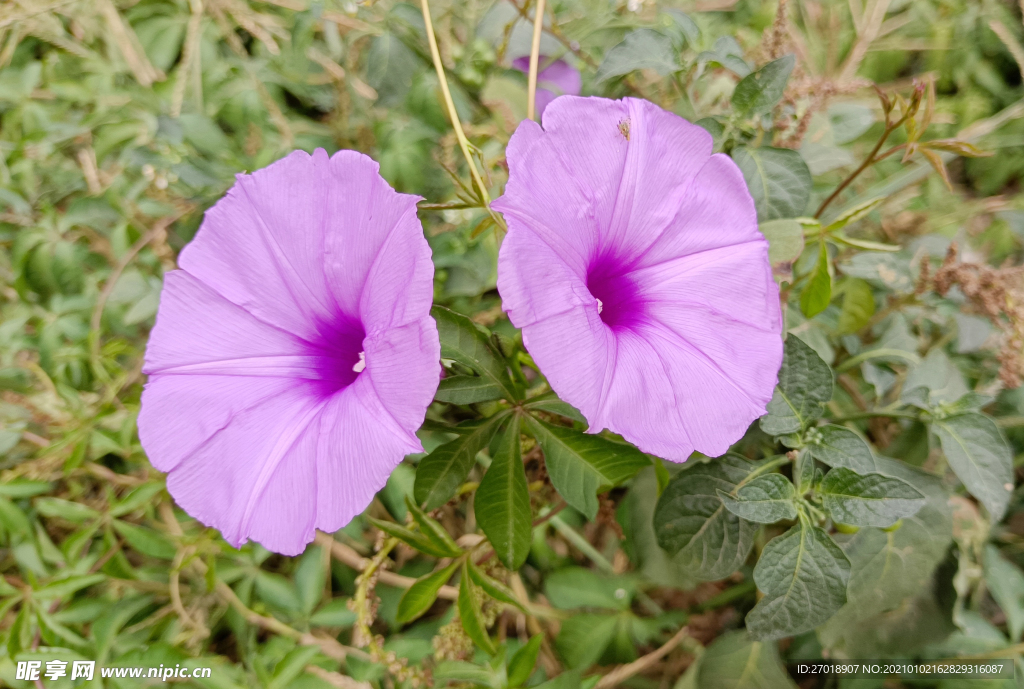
x=294 y=355
x=634 y=266
x=555 y=80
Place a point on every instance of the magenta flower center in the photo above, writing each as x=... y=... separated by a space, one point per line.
x=338 y=354
x=617 y=293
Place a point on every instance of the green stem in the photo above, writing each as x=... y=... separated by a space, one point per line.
x=875 y=413
x=583 y=545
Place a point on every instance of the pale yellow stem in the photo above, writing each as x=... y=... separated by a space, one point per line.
x=538 y=28
x=453 y=114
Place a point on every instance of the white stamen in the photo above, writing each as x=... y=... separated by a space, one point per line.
x=361 y=364
x=600 y=306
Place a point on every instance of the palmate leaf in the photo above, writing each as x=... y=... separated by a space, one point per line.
x=692 y=524
x=502 y=502
x=440 y=473
x=805 y=386
x=422 y=594
x=581 y=465
x=803 y=575
x=463 y=341
x=869 y=500
x=980 y=457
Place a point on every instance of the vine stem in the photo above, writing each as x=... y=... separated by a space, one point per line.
x=538 y=28
x=453 y=114
x=624 y=672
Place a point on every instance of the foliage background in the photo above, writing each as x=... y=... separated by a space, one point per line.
x=122 y=121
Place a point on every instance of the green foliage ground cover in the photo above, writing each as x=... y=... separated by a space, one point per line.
x=872 y=513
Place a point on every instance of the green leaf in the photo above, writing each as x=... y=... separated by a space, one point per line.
x=735 y=661
x=492 y=587
x=433 y=530
x=803 y=575
x=68 y=586
x=758 y=93
x=146 y=540
x=641 y=49
x=390 y=68
x=691 y=522
x=582 y=465
x=469 y=613
x=334 y=614
x=778 y=180
x=840 y=447
x=891 y=567
x=22 y=488
x=520 y=667
x=805 y=385
x=854 y=213
x=311 y=577
x=65 y=509
x=576 y=587
x=277 y=591
x=422 y=594
x=440 y=473
x=765 y=500
x=980 y=457
x=685 y=27
x=1005 y=582
x=550 y=403
x=817 y=293
x=858 y=305
x=461 y=671
x=868 y=500
x=462 y=389
x=502 y=502
x=414 y=539
x=583 y=638
x=465 y=342
x=785 y=240
x=291 y=666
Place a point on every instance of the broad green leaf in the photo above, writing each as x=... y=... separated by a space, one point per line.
x=520 y=667
x=785 y=240
x=582 y=465
x=805 y=385
x=291 y=666
x=778 y=180
x=310 y=578
x=463 y=389
x=469 y=613
x=868 y=500
x=735 y=661
x=433 y=530
x=686 y=27
x=415 y=539
x=817 y=293
x=766 y=499
x=462 y=340
x=691 y=522
x=492 y=587
x=583 y=638
x=938 y=374
x=1005 y=582
x=858 y=305
x=146 y=540
x=803 y=575
x=728 y=53
x=576 y=587
x=334 y=614
x=277 y=591
x=422 y=594
x=838 y=446
x=757 y=93
x=502 y=502
x=980 y=457
x=641 y=49
x=440 y=473
x=890 y=567
x=390 y=68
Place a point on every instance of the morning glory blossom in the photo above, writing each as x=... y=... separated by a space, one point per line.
x=294 y=355
x=635 y=268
